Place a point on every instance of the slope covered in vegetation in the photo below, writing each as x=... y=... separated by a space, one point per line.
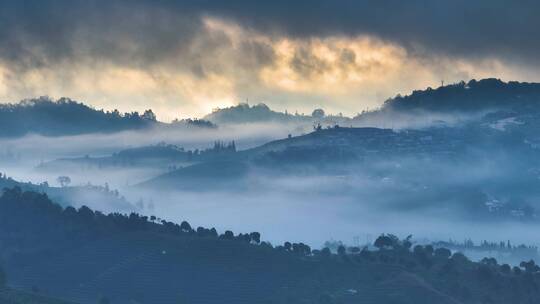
x=481 y=95
x=82 y=255
x=66 y=117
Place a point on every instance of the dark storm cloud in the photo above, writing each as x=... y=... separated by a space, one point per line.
x=135 y=33
x=460 y=27
x=305 y=62
x=139 y=32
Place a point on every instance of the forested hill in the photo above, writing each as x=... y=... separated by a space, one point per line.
x=66 y=117
x=244 y=113
x=261 y=113
x=473 y=96
x=84 y=255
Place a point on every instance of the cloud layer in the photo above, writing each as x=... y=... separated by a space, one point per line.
x=184 y=58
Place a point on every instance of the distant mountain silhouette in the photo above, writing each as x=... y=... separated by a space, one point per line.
x=464 y=97
x=261 y=113
x=160 y=156
x=244 y=113
x=67 y=117
x=64 y=116
x=481 y=95
x=205 y=175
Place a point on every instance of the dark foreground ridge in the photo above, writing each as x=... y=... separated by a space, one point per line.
x=86 y=257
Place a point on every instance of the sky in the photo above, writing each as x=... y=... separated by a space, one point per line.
x=186 y=58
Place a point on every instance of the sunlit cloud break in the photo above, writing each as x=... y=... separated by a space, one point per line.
x=210 y=59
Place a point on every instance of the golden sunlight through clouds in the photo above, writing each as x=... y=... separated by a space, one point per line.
x=226 y=64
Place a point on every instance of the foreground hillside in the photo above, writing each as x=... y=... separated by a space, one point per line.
x=83 y=256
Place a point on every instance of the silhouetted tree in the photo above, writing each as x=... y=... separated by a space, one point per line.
x=489 y=261
x=228 y=235
x=383 y=241
x=318 y=114
x=459 y=258
x=442 y=253
x=325 y=252
x=63 y=180
x=185 y=227
x=255 y=237
x=149 y=116
x=530 y=266
x=287 y=246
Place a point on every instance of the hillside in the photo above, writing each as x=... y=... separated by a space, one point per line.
x=104 y=197
x=260 y=113
x=82 y=255
x=65 y=117
x=353 y=143
x=474 y=96
x=201 y=176
x=244 y=113
x=419 y=170
x=160 y=156
x=10 y=296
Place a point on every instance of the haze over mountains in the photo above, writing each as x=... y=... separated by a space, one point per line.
x=67 y=117
x=387 y=152
x=460 y=159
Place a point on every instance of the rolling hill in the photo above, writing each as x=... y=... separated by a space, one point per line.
x=482 y=95
x=47 y=117
x=473 y=97
x=82 y=255
x=74 y=195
